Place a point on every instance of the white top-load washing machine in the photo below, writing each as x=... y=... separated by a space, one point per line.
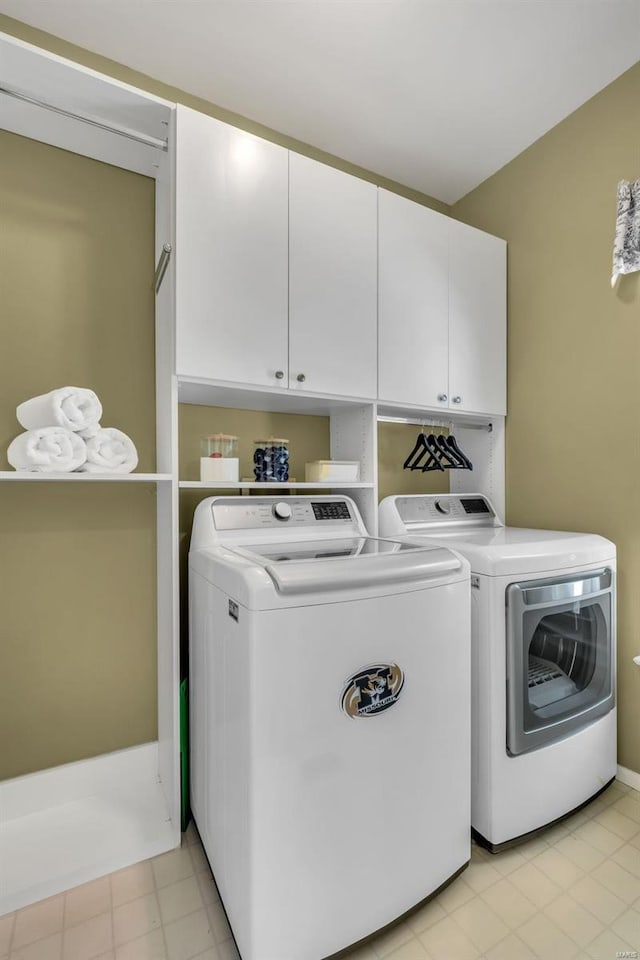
x=329 y=692
x=542 y=660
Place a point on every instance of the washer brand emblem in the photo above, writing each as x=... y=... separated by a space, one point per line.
x=372 y=690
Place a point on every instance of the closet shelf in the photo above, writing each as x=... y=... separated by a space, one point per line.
x=285 y=485
x=22 y=475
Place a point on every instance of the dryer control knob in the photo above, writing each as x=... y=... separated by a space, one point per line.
x=282 y=511
x=443 y=506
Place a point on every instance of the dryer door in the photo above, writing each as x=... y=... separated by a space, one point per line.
x=559 y=657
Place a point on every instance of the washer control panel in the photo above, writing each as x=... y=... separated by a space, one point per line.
x=269 y=512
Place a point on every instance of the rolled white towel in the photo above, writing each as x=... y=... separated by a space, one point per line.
x=110 y=451
x=74 y=408
x=89 y=431
x=47 y=450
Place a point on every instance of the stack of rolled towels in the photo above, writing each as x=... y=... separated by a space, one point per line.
x=64 y=435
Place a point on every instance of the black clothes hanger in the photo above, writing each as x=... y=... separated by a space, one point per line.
x=418 y=452
x=453 y=446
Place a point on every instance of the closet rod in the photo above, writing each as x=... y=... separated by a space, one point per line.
x=120 y=131
x=438 y=422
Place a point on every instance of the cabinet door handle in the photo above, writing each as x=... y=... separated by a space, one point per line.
x=442 y=397
x=279 y=374
x=301 y=378
x=457 y=399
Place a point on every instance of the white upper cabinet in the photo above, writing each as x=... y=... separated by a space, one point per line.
x=413 y=333
x=231 y=253
x=332 y=280
x=442 y=311
x=477 y=320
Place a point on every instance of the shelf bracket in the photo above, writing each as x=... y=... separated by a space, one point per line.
x=163 y=263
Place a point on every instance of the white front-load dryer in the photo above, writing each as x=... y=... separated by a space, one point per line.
x=543 y=660
x=329 y=718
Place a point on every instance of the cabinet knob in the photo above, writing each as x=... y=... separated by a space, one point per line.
x=457 y=399
x=279 y=374
x=442 y=397
x=301 y=378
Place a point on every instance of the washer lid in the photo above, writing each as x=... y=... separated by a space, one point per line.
x=495 y=551
x=319 y=565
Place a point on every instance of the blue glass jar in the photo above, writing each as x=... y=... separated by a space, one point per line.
x=271 y=460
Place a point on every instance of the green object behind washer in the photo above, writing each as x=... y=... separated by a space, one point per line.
x=184 y=755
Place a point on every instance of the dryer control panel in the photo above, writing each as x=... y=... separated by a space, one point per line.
x=444 y=509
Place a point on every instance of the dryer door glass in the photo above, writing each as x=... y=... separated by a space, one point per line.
x=559 y=656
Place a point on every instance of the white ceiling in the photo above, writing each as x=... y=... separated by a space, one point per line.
x=435 y=94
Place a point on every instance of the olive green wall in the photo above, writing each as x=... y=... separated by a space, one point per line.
x=155 y=86
x=77 y=564
x=573 y=444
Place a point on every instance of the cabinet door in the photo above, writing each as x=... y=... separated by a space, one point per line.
x=412 y=304
x=231 y=253
x=332 y=280
x=477 y=320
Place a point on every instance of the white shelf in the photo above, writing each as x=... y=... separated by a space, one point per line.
x=254 y=485
x=273 y=399
x=75 y=823
x=21 y=475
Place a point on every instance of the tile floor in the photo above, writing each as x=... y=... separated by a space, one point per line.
x=573 y=892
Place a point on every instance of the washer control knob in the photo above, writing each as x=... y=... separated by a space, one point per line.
x=282 y=511
x=443 y=506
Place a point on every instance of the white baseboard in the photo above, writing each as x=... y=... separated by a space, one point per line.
x=71 y=824
x=629 y=777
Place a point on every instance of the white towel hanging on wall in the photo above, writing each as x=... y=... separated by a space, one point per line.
x=626 y=246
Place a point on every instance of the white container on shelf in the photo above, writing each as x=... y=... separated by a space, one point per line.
x=219 y=458
x=332 y=471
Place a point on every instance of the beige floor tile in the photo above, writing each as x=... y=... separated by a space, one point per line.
x=558 y=868
x=189 y=936
x=208 y=889
x=225 y=951
x=533 y=848
x=574 y=920
x=109 y=955
x=635 y=841
x=535 y=885
x=149 y=947
x=218 y=922
x=618 y=880
x=446 y=941
x=6 y=931
x=609 y=945
x=511 y=948
x=199 y=859
x=617 y=823
x=41 y=920
x=412 y=950
x=173 y=866
x=50 y=948
x=179 y=899
x=509 y=903
x=364 y=952
x=426 y=916
x=132 y=883
x=557 y=832
x=582 y=854
x=391 y=939
x=136 y=918
x=455 y=894
x=508 y=861
x=599 y=837
x=480 y=923
x=629 y=858
x=597 y=900
x=628 y=806
x=479 y=876
x=89 y=900
x=627 y=926
x=89 y=939
x=546 y=939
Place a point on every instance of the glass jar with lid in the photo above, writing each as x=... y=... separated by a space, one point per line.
x=219 y=458
x=271 y=460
